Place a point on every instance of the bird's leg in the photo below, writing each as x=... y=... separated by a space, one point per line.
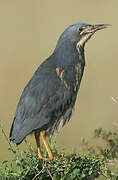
x=42 y=135
x=38 y=145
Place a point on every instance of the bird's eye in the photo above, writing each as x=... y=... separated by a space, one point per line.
x=81 y=29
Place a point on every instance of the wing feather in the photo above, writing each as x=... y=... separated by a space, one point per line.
x=40 y=100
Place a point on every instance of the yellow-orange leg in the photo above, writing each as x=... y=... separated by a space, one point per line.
x=42 y=135
x=38 y=146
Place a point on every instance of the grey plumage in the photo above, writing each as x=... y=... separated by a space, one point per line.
x=49 y=97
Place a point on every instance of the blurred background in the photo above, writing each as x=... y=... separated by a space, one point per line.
x=28 y=34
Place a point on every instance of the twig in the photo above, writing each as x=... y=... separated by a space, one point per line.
x=105 y=177
x=37 y=175
x=50 y=174
x=100 y=173
x=3 y=132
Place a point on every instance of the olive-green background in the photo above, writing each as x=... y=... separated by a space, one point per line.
x=29 y=30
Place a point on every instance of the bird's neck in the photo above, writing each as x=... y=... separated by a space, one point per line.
x=69 y=55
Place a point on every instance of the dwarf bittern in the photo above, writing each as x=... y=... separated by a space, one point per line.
x=48 y=99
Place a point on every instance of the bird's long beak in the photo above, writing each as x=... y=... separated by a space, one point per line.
x=97 y=27
x=93 y=28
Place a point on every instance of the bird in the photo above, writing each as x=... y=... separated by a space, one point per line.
x=47 y=101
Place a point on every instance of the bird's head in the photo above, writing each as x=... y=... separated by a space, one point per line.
x=78 y=34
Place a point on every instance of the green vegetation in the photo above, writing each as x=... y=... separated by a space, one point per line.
x=96 y=163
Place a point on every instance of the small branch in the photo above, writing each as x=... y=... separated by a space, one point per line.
x=105 y=177
x=37 y=175
x=3 y=132
x=50 y=174
x=100 y=173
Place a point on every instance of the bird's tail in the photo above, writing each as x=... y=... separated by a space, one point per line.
x=14 y=135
